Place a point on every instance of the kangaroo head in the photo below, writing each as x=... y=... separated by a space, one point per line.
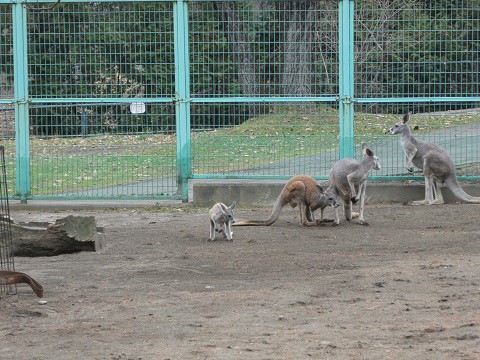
x=329 y=197
x=401 y=126
x=228 y=211
x=368 y=152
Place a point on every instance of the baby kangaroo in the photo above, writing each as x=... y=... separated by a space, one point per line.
x=435 y=162
x=221 y=219
x=302 y=191
x=348 y=179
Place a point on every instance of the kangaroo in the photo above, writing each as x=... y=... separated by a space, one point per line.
x=435 y=162
x=348 y=179
x=221 y=219
x=302 y=191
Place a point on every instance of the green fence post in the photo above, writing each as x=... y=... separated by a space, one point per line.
x=20 y=69
x=346 y=54
x=182 y=90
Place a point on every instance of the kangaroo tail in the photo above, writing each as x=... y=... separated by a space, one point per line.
x=279 y=204
x=250 y=223
x=457 y=190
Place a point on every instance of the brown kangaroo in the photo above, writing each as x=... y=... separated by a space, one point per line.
x=302 y=191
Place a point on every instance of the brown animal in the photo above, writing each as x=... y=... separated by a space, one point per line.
x=302 y=191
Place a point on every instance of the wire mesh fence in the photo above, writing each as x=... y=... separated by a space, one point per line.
x=457 y=131
x=130 y=99
x=263 y=48
x=103 y=150
x=101 y=49
x=6 y=249
x=419 y=49
x=288 y=138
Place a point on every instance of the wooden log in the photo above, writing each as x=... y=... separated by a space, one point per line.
x=65 y=236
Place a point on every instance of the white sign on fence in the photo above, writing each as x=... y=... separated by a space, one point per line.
x=137 y=108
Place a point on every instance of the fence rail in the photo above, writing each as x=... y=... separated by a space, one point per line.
x=132 y=99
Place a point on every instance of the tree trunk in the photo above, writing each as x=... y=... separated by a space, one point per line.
x=242 y=48
x=296 y=78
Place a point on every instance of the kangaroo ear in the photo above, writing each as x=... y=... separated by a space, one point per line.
x=406 y=117
x=320 y=188
x=369 y=152
x=224 y=207
x=364 y=148
x=233 y=205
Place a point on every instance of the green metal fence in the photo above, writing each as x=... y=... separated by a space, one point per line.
x=132 y=99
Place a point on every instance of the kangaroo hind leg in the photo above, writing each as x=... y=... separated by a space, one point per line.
x=347 y=208
x=361 y=191
x=437 y=193
x=433 y=193
x=428 y=194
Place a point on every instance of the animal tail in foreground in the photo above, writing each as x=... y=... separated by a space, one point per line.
x=279 y=204
x=457 y=190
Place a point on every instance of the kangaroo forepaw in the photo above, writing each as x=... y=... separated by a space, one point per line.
x=364 y=223
x=409 y=168
x=354 y=200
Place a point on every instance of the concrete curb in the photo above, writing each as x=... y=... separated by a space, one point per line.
x=246 y=193
x=261 y=193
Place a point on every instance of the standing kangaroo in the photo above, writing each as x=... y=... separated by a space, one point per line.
x=348 y=179
x=302 y=191
x=435 y=162
x=221 y=219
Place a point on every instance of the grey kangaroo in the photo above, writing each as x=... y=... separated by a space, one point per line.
x=435 y=162
x=221 y=219
x=348 y=180
x=302 y=191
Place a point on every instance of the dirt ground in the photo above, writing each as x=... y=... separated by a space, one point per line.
x=405 y=287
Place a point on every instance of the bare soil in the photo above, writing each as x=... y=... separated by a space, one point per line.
x=405 y=287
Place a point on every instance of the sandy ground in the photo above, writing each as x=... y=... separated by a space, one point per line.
x=405 y=287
